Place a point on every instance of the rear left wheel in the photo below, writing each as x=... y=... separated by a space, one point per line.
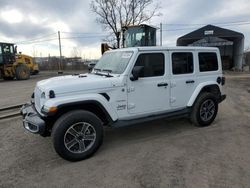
x=204 y=110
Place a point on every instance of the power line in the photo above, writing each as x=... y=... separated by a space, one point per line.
x=247 y=23
x=181 y=29
x=35 y=39
x=218 y=23
x=80 y=33
x=62 y=38
x=33 y=42
x=82 y=37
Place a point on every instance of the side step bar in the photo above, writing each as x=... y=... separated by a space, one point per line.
x=124 y=123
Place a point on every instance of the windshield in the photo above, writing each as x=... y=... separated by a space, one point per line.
x=114 y=62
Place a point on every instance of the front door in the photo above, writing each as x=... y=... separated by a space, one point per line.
x=150 y=93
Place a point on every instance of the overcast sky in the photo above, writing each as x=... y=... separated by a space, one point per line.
x=21 y=22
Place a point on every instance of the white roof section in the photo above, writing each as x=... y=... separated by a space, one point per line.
x=162 y=48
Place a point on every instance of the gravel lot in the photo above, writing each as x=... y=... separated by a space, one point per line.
x=18 y=92
x=166 y=153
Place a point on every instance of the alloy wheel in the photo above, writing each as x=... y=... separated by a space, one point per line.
x=80 y=137
x=207 y=110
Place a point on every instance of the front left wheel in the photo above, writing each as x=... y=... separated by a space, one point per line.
x=77 y=135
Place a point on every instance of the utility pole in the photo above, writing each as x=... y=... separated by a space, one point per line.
x=60 y=49
x=160 y=34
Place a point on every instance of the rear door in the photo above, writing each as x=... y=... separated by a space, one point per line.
x=183 y=79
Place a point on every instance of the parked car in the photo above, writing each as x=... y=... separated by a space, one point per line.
x=127 y=86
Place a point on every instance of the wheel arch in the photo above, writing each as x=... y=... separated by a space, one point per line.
x=211 y=87
x=90 y=105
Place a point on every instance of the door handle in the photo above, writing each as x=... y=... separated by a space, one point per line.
x=189 y=81
x=162 y=84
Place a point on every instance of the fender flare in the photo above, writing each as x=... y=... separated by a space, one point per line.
x=198 y=89
x=96 y=99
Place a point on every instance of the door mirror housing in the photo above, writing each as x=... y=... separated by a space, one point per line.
x=136 y=72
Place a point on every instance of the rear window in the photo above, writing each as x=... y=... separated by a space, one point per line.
x=208 y=62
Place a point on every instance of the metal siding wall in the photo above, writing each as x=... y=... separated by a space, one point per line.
x=238 y=53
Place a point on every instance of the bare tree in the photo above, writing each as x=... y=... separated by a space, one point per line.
x=75 y=52
x=34 y=51
x=114 y=14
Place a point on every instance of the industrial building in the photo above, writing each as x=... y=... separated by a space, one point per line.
x=230 y=43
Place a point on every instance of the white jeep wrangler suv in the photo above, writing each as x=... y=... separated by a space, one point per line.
x=127 y=86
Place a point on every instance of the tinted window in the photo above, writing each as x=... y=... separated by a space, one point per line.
x=208 y=62
x=182 y=63
x=153 y=64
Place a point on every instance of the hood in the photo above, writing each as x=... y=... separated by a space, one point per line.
x=75 y=83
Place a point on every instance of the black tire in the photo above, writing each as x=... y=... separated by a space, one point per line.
x=62 y=137
x=8 y=78
x=22 y=72
x=204 y=110
x=35 y=72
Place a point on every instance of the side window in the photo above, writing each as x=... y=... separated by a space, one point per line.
x=6 y=48
x=182 y=63
x=153 y=64
x=208 y=62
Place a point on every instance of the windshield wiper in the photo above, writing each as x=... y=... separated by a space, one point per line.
x=95 y=69
x=98 y=72
x=107 y=70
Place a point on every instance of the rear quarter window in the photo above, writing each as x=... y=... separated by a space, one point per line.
x=208 y=61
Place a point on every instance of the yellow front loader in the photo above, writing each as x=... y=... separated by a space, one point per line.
x=13 y=65
x=28 y=60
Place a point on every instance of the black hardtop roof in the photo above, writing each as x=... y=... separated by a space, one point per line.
x=6 y=43
x=216 y=32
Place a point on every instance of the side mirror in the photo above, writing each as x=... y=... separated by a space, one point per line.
x=136 y=72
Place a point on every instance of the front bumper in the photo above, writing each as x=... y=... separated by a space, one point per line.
x=32 y=121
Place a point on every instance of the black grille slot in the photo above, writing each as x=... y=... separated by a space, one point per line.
x=105 y=95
